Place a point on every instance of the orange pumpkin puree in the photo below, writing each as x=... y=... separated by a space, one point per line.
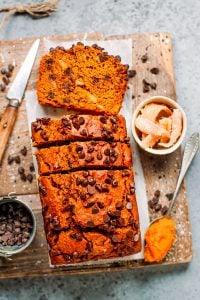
x=159 y=239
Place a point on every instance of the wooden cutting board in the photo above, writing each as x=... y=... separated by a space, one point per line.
x=160 y=172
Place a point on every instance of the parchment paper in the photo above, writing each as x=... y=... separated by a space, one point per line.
x=35 y=110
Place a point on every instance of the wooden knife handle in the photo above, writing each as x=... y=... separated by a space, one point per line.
x=6 y=126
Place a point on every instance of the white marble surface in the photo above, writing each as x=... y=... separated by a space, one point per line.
x=181 y=18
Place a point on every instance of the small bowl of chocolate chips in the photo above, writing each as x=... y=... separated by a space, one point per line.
x=17 y=226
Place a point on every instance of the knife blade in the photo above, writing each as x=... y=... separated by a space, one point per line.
x=15 y=96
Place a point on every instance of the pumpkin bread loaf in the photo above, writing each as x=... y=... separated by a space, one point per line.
x=46 y=131
x=83 y=78
x=81 y=155
x=90 y=215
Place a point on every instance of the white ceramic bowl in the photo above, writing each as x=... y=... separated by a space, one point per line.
x=170 y=103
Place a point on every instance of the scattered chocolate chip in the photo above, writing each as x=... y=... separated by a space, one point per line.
x=43 y=135
x=84 y=182
x=125 y=173
x=2 y=87
x=154 y=71
x=131 y=73
x=42 y=189
x=5 y=80
x=144 y=58
x=3 y=71
x=151 y=204
x=31 y=167
x=98 y=187
x=81 y=120
x=113 y=120
x=106 y=160
x=17 y=159
x=76 y=123
x=10 y=67
x=157 y=207
x=66 y=123
x=104 y=188
x=155 y=200
x=21 y=170
x=164 y=210
x=78 y=181
x=29 y=177
x=157 y=193
x=146 y=88
x=169 y=196
x=10 y=160
x=117 y=57
x=153 y=85
x=24 y=151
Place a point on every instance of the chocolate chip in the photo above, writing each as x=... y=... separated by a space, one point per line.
x=81 y=120
x=91 y=181
x=131 y=73
x=129 y=205
x=153 y=85
x=66 y=123
x=31 y=167
x=146 y=88
x=89 y=158
x=24 y=151
x=164 y=210
x=95 y=210
x=79 y=148
x=6 y=81
x=91 y=190
x=90 y=224
x=151 y=204
x=110 y=174
x=81 y=155
x=29 y=177
x=21 y=170
x=100 y=204
x=2 y=87
x=157 y=207
x=17 y=159
x=108 y=180
x=113 y=145
x=10 y=67
x=144 y=58
x=76 y=123
x=99 y=156
x=83 y=132
x=113 y=120
x=3 y=71
x=114 y=183
x=169 y=196
x=117 y=57
x=88 y=204
x=115 y=238
x=106 y=160
x=78 y=181
x=154 y=71
x=10 y=160
x=103 y=119
x=154 y=200
x=119 y=205
x=106 y=218
x=90 y=149
x=104 y=188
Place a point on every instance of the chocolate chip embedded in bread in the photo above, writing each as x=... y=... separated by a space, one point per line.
x=79 y=148
x=83 y=132
x=99 y=156
x=81 y=155
x=144 y=58
x=154 y=71
x=103 y=119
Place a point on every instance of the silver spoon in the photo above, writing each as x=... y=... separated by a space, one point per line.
x=190 y=150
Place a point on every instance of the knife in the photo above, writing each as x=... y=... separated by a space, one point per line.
x=15 y=96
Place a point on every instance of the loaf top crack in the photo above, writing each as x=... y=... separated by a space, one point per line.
x=83 y=78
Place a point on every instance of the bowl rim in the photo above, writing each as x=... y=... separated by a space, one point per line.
x=171 y=103
x=9 y=252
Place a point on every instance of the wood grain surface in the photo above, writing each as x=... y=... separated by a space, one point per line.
x=160 y=173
